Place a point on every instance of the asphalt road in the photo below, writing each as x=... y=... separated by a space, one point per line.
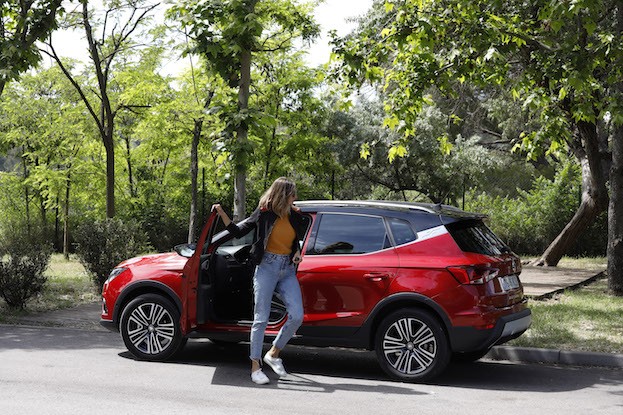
x=68 y=371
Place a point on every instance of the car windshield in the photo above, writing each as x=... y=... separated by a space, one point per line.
x=475 y=236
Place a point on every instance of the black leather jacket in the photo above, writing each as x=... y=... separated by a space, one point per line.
x=263 y=221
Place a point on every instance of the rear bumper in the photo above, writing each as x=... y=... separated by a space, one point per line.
x=468 y=339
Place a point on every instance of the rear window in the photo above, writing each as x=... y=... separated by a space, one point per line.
x=475 y=236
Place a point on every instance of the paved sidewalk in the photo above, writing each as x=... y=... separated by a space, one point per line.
x=544 y=282
x=538 y=282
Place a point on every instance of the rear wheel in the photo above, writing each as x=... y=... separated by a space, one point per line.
x=150 y=327
x=411 y=345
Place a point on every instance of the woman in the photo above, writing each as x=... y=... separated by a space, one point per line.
x=276 y=253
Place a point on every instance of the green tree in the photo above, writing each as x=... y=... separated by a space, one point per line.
x=185 y=122
x=228 y=34
x=120 y=21
x=22 y=24
x=560 y=59
x=287 y=136
x=41 y=123
x=423 y=173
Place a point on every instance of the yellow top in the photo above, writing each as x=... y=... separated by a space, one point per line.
x=281 y=237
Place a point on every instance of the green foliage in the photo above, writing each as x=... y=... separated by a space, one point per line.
x=230 y=36
x=423 y=169
x=101 y=245
x=558 y=59
x=24 y=258
x=530 y=221
x=22 y=23
x=223 y=29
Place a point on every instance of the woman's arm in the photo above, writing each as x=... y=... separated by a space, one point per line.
x=235 y=229
x=221 y=213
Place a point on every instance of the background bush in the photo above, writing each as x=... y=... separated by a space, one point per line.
x=24 y=258
x=529 y=222
x=101 y=245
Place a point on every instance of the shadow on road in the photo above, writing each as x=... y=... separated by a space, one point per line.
x=229 y=362
x=56 y=338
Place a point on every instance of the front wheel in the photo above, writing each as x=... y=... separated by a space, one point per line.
x=150 y=327
x=411 y=345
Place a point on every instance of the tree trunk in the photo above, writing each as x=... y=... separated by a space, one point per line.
x=57 y=243
x=242 y=134
x=194 y=172
x=110 y=177
x=615 y=207
x=594 y=195
x=26 y=196
x=615 y=215
x=66 y=218
x=128 y=159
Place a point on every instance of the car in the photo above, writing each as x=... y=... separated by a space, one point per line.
x=420 y=284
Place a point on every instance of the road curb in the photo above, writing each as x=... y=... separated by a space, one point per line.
x=551 y=356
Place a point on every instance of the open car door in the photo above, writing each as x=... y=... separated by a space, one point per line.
x=194 y=290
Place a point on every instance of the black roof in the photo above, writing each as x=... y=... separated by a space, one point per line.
x=436 y=209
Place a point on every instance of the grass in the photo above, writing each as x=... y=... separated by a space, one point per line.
x=68 y=285
x=587 y=319
x=589 y=263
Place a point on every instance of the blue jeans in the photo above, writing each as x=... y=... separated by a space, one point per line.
x=275 y=273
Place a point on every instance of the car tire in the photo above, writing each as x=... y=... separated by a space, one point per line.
x=411 y=345
x=150 y=327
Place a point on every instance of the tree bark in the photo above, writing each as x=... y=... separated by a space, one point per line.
x=110 y=176
x=66 y=218
x=615 y=207
x=128 y=159
x=26 y=196
x=615 y=215
x=242 y=137
x=194 y=172
x=594 y=194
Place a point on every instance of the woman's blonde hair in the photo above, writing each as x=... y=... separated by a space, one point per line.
x=277 y=197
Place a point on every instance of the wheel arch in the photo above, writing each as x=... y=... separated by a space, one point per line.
x=143 y=287
x=401 y=301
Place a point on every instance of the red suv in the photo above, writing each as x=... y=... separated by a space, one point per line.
x=417 y=283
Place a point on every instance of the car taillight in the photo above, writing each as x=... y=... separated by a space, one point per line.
x=473 y=274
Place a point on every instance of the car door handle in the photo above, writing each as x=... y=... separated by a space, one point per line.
x=376 y=276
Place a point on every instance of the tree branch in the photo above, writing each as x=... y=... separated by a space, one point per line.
x=71 y=79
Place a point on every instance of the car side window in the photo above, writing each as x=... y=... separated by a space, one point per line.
x=349 y=234
x=402 y=231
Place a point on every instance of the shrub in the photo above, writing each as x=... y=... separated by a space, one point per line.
x=23 y=260
x=529 y=222
x=101 y=245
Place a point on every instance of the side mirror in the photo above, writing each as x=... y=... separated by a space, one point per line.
x=185 y=250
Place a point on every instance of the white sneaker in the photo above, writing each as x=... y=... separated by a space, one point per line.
x=275 y=364
x=259 y=377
